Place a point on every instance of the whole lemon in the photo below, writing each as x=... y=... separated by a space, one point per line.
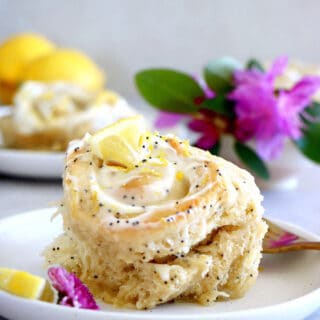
x=65 y=65
x=15 y=53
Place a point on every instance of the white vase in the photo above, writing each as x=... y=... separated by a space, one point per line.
x=284 y=171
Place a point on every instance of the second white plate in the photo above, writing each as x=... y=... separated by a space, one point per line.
x=31 y=164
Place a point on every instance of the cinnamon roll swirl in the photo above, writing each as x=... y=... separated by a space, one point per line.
x=175 y=223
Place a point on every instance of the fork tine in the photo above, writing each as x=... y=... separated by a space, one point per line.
x=294 y=247
x=279 y=240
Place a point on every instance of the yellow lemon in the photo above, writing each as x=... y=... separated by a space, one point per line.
x=119 y=142
x=18 y=51
x=15 y=53
x=24 y=284
x=65 y=65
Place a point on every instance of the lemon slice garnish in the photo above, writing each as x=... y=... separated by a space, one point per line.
x=24 y=284
x=119 y=142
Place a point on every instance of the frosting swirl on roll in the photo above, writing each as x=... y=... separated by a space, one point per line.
x=47 y=116
x=164 y=201
x=60 y=105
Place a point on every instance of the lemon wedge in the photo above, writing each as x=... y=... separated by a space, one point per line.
x=24 y=284
x=119 y=142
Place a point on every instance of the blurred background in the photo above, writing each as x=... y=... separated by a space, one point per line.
x=126 y=36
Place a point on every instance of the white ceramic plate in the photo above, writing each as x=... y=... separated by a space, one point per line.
x=288 y=286
x=32 y=164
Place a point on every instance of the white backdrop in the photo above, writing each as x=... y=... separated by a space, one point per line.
x=126 y=35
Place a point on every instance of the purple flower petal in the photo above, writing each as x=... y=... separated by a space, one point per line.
x=294 y=101
x=209 y=134
x=301 y=94
x=72 y=291
x=245 y=129
x=270 y=148
x=196 y=125
x=206 y=142
x=277 y=68
x=247 y=77
x=168 y=119
x=284 y=240
x=265 y=116
x=208 y=92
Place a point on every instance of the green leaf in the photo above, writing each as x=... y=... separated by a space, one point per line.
x=220 y=105
x=309 y=143
x=219 y=74
x=249 y=157
x=216 y=148
x=313 y=110
x=169 y=90
x=254 y=64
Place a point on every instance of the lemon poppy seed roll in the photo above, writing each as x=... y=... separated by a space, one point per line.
x=49 y=116
x=176 y=223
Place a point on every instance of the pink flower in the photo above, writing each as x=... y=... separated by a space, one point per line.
x=71 y=290
x=209 y=133
x=285 y=239
x=208 y=92
x=168 y=119
x=265 y=115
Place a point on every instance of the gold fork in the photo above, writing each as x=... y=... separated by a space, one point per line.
x=279 y=240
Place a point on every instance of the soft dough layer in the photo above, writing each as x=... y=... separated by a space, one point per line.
x=182 y=224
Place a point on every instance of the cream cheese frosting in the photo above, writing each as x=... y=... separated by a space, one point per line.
x=40 y=106
x=161 y=178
